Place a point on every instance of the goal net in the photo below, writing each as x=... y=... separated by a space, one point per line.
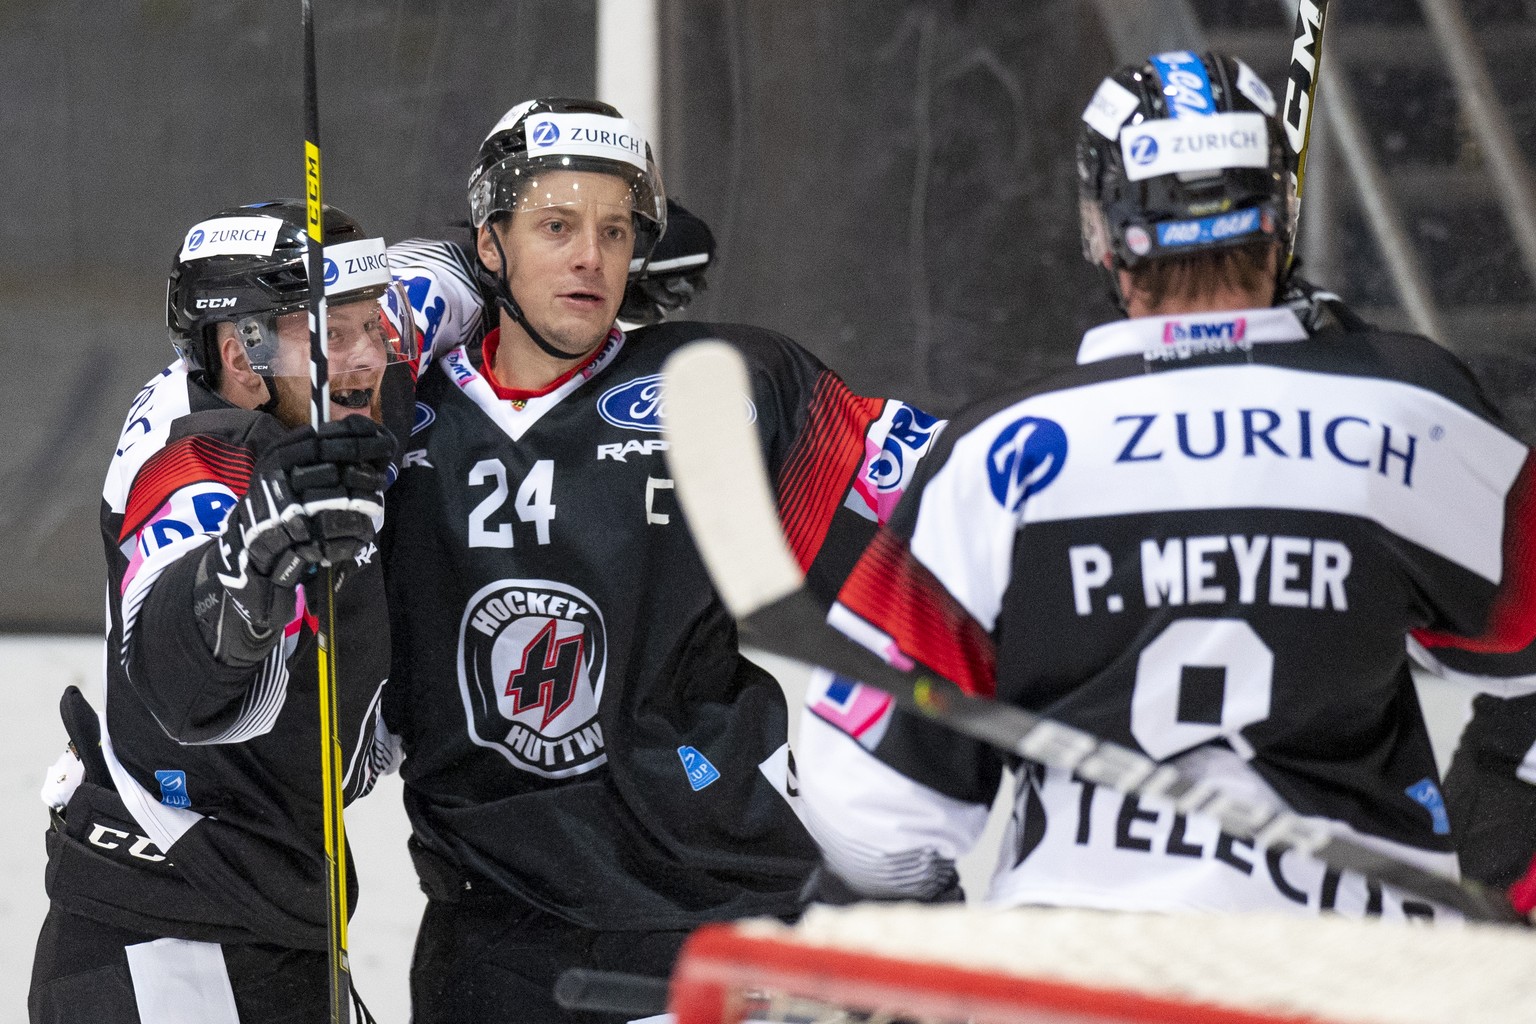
x=926 y=965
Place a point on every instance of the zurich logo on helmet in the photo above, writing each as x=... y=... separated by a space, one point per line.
x=195 y=240
x=546 y=133
x=1144 y=150
x=332 y=272
x=1025 y=458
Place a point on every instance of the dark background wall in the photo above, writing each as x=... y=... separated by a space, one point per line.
x=889 y=181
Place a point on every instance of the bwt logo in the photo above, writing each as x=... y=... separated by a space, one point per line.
x=1144 y=150
x=195 y=240
x=1024 y=459
x=332 y=272
x=546 y=133
x=1220 y=330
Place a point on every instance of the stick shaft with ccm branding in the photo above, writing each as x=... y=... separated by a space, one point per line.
x=716 y=462
x=339 y=975
x=1301 y=94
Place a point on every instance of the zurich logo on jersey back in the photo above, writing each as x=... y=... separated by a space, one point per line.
x=546 y=133
x=1025 y=458
x=425 y=414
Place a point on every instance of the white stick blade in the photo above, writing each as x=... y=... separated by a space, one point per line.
x=722 y=484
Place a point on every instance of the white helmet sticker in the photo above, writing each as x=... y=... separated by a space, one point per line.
x=612 y=138
x=1252 y=86
x=231 y=236
x=353 y=265
x=1109 y=108
x=1214 y=143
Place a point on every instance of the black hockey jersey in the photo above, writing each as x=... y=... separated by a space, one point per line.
x=1208 y=542
x=578 y=724
x=214 y=830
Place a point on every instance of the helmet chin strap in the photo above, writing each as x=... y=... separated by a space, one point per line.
x=509 y=306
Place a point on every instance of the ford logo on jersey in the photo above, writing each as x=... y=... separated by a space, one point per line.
x=640 y=404
x=546 y=133
x=424 y=417
x=1024 y=459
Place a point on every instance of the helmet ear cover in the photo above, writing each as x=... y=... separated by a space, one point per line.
x=1167 y=208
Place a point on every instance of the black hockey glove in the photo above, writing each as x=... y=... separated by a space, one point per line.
x=675 y=274
x=313 y=500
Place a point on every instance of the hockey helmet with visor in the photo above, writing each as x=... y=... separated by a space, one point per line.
x=246 y=266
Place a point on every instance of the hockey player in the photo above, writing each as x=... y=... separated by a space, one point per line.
x=1209 y=541
x=592 y=768
x=186 y=871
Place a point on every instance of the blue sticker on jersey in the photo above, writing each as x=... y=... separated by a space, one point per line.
x=1024 y=459
x=1186 y=86
x=1425 y=792
x=173 y=788
x=700 y=772
x=1172 y=234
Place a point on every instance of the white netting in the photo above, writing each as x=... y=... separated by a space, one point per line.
x=1332 y=968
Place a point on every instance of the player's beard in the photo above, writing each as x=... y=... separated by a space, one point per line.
x=293 y=403
x=292 y=400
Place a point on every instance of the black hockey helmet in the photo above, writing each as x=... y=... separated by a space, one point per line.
x=1181 y=154
x=246 y=266
x=556 y=134
x=559 y=134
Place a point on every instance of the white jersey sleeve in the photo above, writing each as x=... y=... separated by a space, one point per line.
x=439 y=282
x=885 y=834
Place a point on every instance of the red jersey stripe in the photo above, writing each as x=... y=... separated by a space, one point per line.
x=188 y=460
x=1512 y=618
x=821 y=464
x=896 y=593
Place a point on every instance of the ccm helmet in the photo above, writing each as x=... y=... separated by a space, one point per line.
x=246 y=266
x=1181 y=154
x=554 y=134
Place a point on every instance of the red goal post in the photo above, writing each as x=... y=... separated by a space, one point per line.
x=1044 y=966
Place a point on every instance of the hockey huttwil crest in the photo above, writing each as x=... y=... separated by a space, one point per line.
x=532 y=654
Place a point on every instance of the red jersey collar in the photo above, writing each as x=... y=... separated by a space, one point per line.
x=488 y=356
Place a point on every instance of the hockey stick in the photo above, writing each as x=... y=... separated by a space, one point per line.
x=339 y=975
x=633 y=995
x=1301 y=96
x=717 y=465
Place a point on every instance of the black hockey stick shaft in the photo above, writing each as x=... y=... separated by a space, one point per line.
x=1304 y=73
x=633 y=995
x=717 y=466
x=339 y=974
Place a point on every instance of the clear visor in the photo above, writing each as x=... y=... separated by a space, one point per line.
x=518 y=184
x=365 y=333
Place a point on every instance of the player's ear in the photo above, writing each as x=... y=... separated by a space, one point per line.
x=233 y=364
x=489 y=251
